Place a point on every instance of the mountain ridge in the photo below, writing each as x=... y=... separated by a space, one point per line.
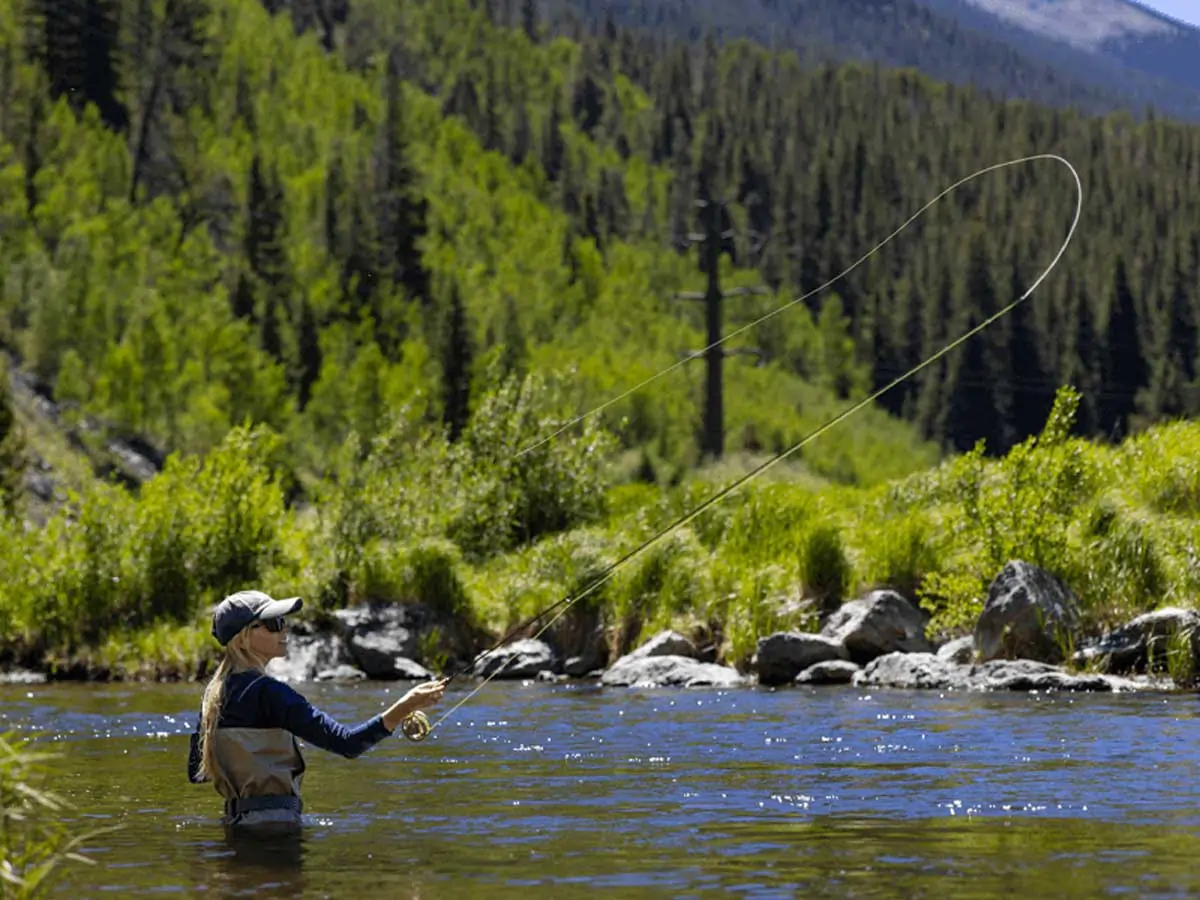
x=955 y=41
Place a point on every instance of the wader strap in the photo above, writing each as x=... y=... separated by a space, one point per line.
x=241 y=805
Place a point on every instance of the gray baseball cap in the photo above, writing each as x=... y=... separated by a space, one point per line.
x=238 y=610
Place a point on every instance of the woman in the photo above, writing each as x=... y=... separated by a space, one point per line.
x=245 y=741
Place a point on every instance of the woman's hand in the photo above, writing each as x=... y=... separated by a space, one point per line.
x=420 y=697
x=425 y=695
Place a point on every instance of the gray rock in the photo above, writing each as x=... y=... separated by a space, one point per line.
x=1030 y=675
x=22 y=676
x=927 y=671
x=912 y=671
x=400 y=623
x=341 y=673
x=1142 y=643
x=784 y=655
x=665 y=643
x=1028 y=614
x=960 y=650
x=669 y=671
x=520 y=659
x=882 y=622
x=382 y=655
x=308 y=654
x=835 y=671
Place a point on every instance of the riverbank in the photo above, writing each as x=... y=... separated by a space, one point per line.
x=473 y=542
x=1025 y=639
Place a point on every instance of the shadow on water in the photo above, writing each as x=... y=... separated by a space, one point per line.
x=262 y=861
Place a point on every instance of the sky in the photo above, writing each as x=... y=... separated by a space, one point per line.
x=1183 y=10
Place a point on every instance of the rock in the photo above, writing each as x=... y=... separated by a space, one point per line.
x=911 y=671
x=1028 y=614
x=665 y=643
x=834 y=671
x=133 y=459
x=520 y=659
x=341 y=673
x=882 y=622
x=40 y=486
x=400 y=623
x=960 y=650
x=927 y=671
x=784 y=655
x=580 y=666
x=381 y=655
x=22 y=676
x=669 y=671
x=1030 y=675
x=592 y=656
x=550 y=678
x=1145 y=640
x=308 y=654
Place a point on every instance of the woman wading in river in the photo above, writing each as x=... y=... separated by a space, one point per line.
x=245 y=741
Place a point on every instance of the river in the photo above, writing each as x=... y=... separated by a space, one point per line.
x=536 y=790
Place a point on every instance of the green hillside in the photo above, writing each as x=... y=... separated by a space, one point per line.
x=345 y=274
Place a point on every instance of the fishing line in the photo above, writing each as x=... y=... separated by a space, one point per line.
x=420 y=727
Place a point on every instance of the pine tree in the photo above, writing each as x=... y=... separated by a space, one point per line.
x=457 y=356
x=1124 y=369
x=402 y=208
x=12 y=449
x=78 y=48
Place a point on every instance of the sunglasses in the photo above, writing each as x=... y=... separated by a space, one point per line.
x=275 y=625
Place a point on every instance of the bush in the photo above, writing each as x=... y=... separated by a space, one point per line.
x=515 y=482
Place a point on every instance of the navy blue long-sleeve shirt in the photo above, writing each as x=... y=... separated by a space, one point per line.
x=255 y=700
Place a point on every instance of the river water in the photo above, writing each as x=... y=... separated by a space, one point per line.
x=535 y=790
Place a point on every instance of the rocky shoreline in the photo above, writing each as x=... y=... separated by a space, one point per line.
x=1024 y=640
x=1020 y=643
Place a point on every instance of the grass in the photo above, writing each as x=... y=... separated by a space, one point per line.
x=34 y=844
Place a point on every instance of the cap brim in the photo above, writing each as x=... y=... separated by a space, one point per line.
x=277 y=608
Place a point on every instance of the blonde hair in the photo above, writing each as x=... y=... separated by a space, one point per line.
x=239 y=657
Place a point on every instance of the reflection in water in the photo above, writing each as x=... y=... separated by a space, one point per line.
x=557 y=791
x=253 y=861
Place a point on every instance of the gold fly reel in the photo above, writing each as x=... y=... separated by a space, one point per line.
x=415 y=726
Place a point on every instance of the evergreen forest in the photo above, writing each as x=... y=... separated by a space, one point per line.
x=347 y=263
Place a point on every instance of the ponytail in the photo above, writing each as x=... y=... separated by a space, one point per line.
x=238 y=657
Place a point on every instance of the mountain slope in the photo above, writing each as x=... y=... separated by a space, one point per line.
x=950 y=40
x=1105 y=41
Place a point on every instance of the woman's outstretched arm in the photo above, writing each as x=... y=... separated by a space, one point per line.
x=288 y=709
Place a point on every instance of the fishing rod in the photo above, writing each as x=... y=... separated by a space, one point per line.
x=417 y=727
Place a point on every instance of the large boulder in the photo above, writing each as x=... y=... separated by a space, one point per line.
x=1029 y=614
x=521 y=659
x=784 y=655
x=882 y=622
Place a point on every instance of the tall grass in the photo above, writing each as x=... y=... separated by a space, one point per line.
x=34 y=844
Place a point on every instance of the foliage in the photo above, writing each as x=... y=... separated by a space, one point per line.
x=358 y=279
x=33 y=843
x=12 y=449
